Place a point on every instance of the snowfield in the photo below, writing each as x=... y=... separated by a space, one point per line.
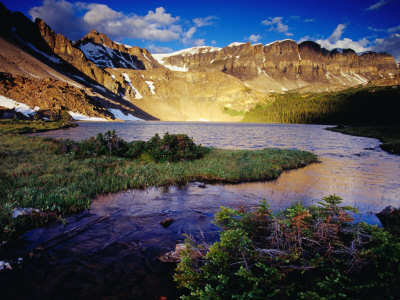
x=119 y=115
x=17 y=106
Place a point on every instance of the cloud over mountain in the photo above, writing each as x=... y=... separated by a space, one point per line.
x=76 y=19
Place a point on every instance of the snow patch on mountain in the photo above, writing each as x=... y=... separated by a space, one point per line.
x=235 y=44
x=49 y=57
x=17 y=106
x=80 y=117
x=118 y=114
x=128 y=80
x=106 y=57
x=150 y=84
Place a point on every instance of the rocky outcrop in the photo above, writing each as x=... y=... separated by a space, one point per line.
x=61 y=46
x=105 y=53
x=51 y=95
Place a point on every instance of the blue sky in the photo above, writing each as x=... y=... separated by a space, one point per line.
x=165 y=26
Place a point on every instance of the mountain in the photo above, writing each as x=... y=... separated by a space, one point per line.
x=286 y=65
x=105 y=53
x=99 y=78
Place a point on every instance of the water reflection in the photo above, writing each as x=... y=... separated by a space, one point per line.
x=352 y=167
x=115 y=256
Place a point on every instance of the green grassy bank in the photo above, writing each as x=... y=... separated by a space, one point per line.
x=388 y=135
x=34 y=173
x=21 y=126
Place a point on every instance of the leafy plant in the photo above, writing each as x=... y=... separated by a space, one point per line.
x=301 y=253
x=174 y=147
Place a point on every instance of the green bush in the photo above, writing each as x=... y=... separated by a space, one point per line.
x=172 y=147
x=314 y=253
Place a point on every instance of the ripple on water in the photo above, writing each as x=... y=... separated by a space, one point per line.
x=117 y=257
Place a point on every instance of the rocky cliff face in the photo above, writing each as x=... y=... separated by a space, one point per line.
x=288 y=63
x=105 y=53
x=61 y=46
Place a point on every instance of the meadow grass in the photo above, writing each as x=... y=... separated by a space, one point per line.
x=33 y=173
x=21 y=126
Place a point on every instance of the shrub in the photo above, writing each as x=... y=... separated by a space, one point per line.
x=172 y=147
x=301 y=253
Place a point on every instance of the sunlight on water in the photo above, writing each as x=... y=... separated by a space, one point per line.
x=117 y=257
x=352 y=167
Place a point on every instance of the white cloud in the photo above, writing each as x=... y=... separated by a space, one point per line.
x=337 y=33
x=213 y=42
x=253 y=38
x=61 y=16
x=198 y=23
x=378 y=4
x=309 y=20
x=334 y=41
x=389 y=30
x=275 y=24
x=390 y=44
x=159 y=49
x=358 y=46
x=207 y=21
x=76 y=19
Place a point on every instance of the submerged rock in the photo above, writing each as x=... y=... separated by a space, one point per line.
x=167 y=222
x=390 y=216
x=24 y=211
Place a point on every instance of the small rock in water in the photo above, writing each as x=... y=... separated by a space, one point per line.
x=390 y=216
x=388 y=210
x=5 y=265
x=202 y=185
x=167 y=222
x=24 y=211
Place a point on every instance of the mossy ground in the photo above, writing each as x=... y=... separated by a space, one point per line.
x=34 y=174
x=21 y=126
x=388 y=135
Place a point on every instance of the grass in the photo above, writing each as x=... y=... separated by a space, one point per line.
x=21 y=126
x=388 y=135
x=33 y=173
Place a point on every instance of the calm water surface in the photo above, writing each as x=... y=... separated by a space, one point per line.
x=114 y=251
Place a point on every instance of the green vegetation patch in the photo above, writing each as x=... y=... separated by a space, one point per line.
x=388 y=135
x=36 y=172
x=22 y=126
x=172 y=147
x=361 y=105
x=300 y=253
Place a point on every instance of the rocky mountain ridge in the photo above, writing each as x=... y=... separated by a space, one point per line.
x=285 y=62
x=110 y=79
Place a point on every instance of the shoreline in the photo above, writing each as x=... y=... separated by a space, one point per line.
x=389 y=136
x=36 y=176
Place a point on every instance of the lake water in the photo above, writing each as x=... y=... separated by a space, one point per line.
x=116 y=255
